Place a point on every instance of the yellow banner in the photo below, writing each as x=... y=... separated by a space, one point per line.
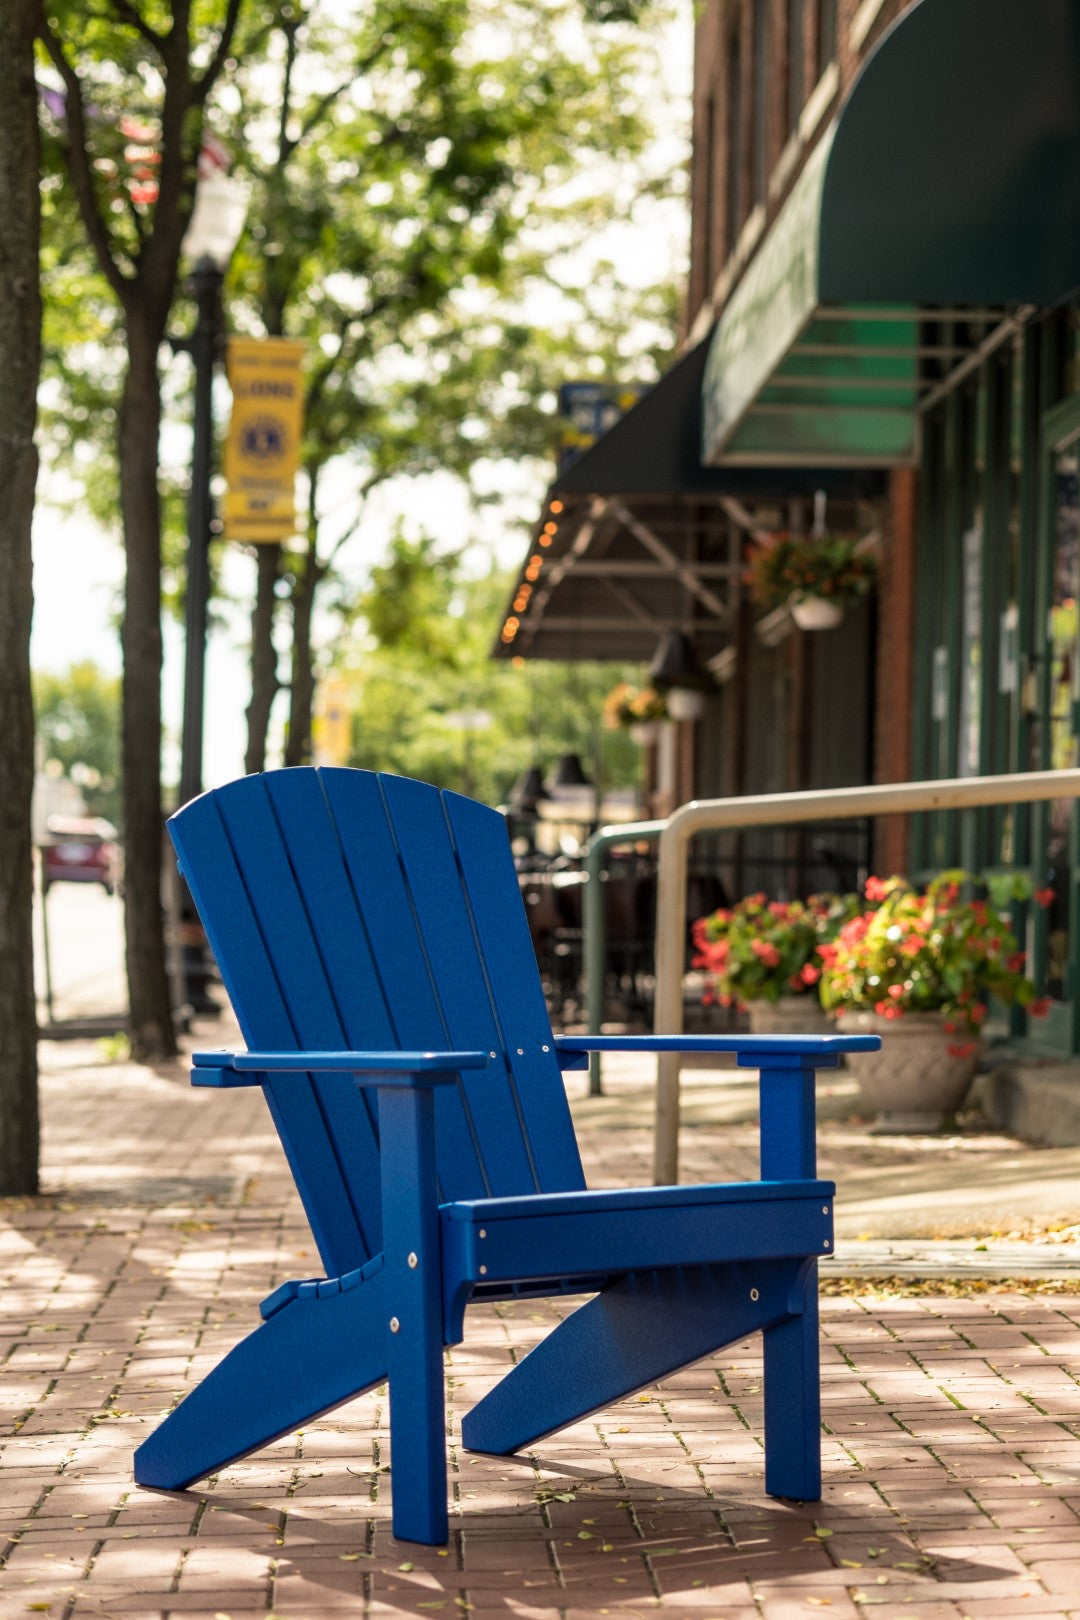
x=262 y=451
x=331 y=727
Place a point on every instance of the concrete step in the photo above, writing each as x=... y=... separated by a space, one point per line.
x=1037 y=1100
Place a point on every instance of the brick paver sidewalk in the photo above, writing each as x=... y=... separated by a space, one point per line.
x=952 y=1453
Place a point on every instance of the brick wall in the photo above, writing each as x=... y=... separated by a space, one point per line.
x=895 y=663
x=715 y=264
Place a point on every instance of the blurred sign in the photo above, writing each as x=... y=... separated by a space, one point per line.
x=262 y=451
x=331 y=725
x=589 y=409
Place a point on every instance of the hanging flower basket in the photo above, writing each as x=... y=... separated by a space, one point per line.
x=816 y=613
x=816 y=576
x=626 y=707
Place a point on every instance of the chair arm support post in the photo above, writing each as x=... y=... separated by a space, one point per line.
x=414 y=1326
x=788 y=1136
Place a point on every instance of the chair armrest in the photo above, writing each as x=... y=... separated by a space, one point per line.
x=818 y=1051
x=409 y=1069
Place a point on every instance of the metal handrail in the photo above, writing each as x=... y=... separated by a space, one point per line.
x=774 y=809
x=594 y=925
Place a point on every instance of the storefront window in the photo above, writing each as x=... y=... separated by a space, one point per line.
x=1062 y=638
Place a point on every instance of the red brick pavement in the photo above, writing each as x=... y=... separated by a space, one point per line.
x=952 y=1449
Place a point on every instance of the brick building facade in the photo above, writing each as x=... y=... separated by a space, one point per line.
x=881 y=304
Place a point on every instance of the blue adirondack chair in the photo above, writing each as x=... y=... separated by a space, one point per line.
x=370 y=933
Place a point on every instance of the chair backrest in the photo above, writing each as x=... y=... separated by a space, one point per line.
x=349 y=910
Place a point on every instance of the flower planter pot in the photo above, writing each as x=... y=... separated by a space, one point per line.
x=791 y=1015
x=914 y=1081
x=644 y=732
x=816 y=613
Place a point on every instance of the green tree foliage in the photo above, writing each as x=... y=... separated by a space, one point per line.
x=426 y=668
x=132 y=84
x=407 y=205
x=78 y=723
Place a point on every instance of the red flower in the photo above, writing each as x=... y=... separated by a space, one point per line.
x=1044 y=897
x=964 y=1051
x=810 y=974
x=765 y=952
x=876 y=888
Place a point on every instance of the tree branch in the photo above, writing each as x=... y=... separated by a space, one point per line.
x=126 y=12
x=201 y=88
x=284 y=144
x=319 y=111
x=82 y=177
x=325 y=102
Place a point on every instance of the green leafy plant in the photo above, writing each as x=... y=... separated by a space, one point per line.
x=787 y=567
x=928 y=950
x=761 y=949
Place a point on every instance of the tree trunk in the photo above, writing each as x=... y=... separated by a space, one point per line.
x=20 y=357
x=302 y=687
x=152 y=1032
x=264 y=676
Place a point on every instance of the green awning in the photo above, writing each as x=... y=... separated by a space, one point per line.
x=947 y=191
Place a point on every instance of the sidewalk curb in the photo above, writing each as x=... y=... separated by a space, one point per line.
x=1038 y=1103
x=989 y=1261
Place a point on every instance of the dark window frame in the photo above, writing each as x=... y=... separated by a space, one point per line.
x=734 y=206
x=795 y=65
x=828 y=33
x=759 y=103
x=708 y=201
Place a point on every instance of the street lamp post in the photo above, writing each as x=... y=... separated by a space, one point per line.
x=216 y=223
x=203 y=346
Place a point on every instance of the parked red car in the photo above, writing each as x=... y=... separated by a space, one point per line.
x=81 y=849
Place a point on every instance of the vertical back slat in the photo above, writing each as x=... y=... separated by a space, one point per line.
x=252 y=978
x=430 y=864
x=371 y=858
x=281 y=905
x=502 y=930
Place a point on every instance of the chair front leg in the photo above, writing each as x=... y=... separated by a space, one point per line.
x=792 y=1357
x=414 y=1326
